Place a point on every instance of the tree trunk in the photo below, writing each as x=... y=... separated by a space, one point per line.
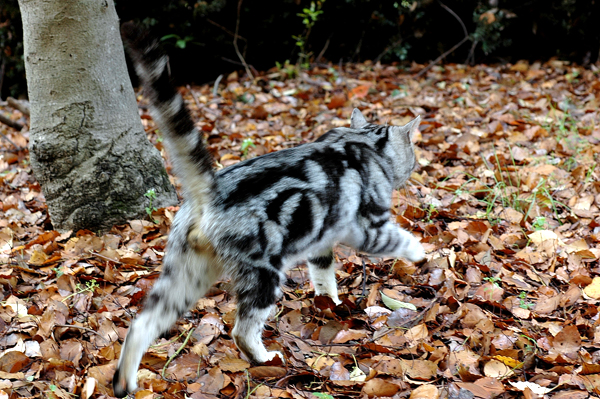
x=88 y=148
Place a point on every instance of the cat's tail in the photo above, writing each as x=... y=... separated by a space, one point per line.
x=190 y=157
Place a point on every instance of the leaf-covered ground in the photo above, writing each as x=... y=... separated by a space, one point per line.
x=506 y=202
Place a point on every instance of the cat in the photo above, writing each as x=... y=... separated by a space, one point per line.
x=255 y=219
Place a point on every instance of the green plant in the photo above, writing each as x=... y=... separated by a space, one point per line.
x=495 y=283
x=249 y=392
x=523 y=301
x=58 y=271
x=493 y=280
x=530 y=348
x=322 y=395
x=90 y=286
x=490 y=23
x=539 y=223
x=179 y=41
x=290 y=70
x=151 y=195
x=589 y=174
x=309 y=17
x=431 y=211
x=245 y=146
x=246 y=98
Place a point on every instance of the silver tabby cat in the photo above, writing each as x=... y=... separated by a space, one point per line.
x=254 y=220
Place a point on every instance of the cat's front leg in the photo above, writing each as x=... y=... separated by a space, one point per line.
x=391 y=240
x=322 y=274
x=409 y=247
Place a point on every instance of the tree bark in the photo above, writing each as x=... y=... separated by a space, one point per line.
x=88 y=148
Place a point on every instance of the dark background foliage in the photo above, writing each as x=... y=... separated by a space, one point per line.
x=200 y=33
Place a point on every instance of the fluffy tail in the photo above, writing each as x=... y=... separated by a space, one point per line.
x=191 y=159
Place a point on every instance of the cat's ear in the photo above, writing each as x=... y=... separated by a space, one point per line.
x=357 y=120
x=413 y=126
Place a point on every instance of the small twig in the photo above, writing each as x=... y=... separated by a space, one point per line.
x=364 y=282
x=11 y=123
x=471 y=57
x=230 y=33
x=457 y=45
x=216 y=85
x=177 y=352
x=234 y=62
x=438 y=59
x=324 y=49
x=22 y=106
x=2 y=71
x=105 y=257
x=80 y=328
x=235 y=37
x=386 y=50
x=194 y=96
x=3 y=137
x=445 y=7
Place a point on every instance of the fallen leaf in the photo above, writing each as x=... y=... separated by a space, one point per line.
x=379 y=387
x=535 y=388
x=233 y=365
x=425 y=392
x=394 y=304
x=593 y=290
x=497 y=369
x=360 y=91
x=267 y=372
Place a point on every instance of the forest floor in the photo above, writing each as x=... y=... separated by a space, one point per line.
x=506 y=202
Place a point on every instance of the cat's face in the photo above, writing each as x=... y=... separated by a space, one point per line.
x=394 y=141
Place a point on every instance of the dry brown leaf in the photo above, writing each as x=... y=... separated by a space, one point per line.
x=233 y=364
x=379 y=387
x=593 y=290
x=338 y=372
x=425 y=392
x=568 y=341
x=267 y=372
x=419 y=369
x=349 y=335
x=497 y=369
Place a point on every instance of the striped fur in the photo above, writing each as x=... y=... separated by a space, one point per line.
x=254 y=220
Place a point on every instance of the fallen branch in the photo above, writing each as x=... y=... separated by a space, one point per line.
x=80 y=328
x=234 y=62
x=22 y=106
x=457 y=45
x=224 y=29
x=318 y=59
x=216 y=85
x=235 y=37
x=194 y=97
x=11 y=123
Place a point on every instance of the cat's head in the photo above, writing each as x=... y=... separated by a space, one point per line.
x=394 y=141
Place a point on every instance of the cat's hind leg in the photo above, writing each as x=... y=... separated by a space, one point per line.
x=187 y=275
x=321 y=270
x=257 y=288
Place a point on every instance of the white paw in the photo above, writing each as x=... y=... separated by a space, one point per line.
x=333 y=295
x=122 y=385
x=415 y=251
x=270 y=355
